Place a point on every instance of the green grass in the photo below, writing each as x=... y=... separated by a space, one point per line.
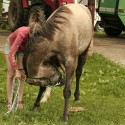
x=102 y=95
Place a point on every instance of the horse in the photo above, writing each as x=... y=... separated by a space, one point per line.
x=63 y=40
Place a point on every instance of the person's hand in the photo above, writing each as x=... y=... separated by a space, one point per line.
x=22 y=74
x=18 y=74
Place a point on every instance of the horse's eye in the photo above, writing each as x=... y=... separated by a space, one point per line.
x=46 y=63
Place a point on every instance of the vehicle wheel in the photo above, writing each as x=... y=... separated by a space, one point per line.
x=112 y=31
x=15 y=14
x=98 y=28
x=37 y=14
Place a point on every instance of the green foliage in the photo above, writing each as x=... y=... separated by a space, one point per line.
x=0 y=6
x=3 y=20
x=102 y=95
x=4 y=26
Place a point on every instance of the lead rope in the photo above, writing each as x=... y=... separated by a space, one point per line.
x=15 y=101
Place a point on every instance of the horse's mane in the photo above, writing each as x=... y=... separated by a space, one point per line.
x=38 y=32
x=58 y=18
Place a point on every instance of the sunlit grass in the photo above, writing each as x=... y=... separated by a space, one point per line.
x=102 y=95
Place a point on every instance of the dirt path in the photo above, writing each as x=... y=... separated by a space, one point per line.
x=112 y=48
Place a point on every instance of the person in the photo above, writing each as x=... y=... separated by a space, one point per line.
x=14 y=50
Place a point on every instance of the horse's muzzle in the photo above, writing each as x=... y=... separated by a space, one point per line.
x=37 y=82
x=44 y=81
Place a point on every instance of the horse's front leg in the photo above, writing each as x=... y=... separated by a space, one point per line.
x=67 y=89
x=37 y=102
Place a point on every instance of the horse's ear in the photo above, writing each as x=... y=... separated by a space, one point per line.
x=35 y=28
x=31 y=30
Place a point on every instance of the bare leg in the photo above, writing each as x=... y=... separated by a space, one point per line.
x=46 y=95
x=10 y=76
x=21 y=89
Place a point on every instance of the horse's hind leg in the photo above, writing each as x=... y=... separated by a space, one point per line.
x=37 y=102
x=81 y=62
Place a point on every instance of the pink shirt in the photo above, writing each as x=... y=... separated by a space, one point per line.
x=18 y=41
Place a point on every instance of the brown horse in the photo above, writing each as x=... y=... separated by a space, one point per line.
x=64 y=39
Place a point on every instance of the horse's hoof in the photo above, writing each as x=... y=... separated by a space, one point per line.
x=33 y=109
x=76 y=100
x=65 y=118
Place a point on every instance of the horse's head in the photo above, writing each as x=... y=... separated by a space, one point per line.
x=38 y=60
x=40 y=71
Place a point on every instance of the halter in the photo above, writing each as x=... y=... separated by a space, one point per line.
x=49 y=79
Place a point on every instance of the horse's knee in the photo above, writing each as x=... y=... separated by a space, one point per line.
x=67 y=93
x=79 y=72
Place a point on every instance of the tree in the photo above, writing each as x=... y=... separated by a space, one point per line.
x=1 y=6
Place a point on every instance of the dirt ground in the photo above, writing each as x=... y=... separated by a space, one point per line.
x=112 y=48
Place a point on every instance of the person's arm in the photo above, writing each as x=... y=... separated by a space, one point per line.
x=13 y=51
x=18 y=74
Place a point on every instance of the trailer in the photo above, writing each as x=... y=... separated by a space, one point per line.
x=112 y=13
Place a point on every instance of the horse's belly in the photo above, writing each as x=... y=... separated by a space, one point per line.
x=83 y=44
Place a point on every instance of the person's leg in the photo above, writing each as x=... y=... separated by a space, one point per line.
x=10 y=75
x=21 y=90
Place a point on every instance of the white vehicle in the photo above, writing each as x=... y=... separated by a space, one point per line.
x=97 y=20
x=5 y=5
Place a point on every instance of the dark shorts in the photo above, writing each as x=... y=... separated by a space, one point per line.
x=7 y=49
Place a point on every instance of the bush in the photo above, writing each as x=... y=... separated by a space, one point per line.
x=4 y=24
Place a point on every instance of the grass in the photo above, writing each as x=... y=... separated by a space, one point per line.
x=102 y=95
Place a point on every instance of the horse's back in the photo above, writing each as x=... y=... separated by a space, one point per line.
x=80 y=14
x=75 y=8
